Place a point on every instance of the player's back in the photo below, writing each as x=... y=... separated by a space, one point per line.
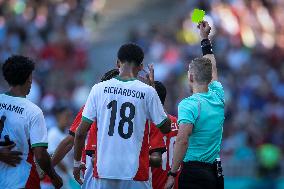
x=20 y=115
x=122 y=108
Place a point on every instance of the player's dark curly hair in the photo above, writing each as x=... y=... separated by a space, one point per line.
x=161 y=90
x=110 y=74
x=16 y=69
x=130 y=53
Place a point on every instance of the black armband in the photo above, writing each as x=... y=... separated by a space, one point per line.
x=206 y=47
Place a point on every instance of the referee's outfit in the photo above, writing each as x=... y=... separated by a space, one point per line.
x=200 y=119
x=205 y=111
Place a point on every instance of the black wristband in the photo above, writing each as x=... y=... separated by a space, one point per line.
x=172 y=174
x=206 y=47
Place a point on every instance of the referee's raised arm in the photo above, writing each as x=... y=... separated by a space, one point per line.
x=206 y=47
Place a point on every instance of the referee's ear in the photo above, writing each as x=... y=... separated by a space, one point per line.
x=166 y=127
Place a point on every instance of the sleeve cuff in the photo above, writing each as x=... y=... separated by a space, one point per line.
x=90 y=152
x=159 y=125
x=40 y=145
x=71 y=133
x=184 y=121
x=87 y=120
x=161 y=149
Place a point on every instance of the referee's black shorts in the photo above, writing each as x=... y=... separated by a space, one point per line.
x=198 y=175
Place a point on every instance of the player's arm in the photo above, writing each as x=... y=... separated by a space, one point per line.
x=79 y=144
x=181 y=145
x=207 y=47
x=188 y=113
x=88 y=117
x=67 y=143
x=38 y=139
x=80 y=138
x=156 y=112
x=157 y=146
x=180 y=149
x=63 y=148
x=43 y=160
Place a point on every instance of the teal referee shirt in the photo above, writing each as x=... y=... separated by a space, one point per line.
x=205 y=111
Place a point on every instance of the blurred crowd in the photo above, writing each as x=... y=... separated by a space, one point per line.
x=248 y=40
x=57 y=35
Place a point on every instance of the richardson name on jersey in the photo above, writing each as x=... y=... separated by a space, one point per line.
x=11 y=108
x=125 y=92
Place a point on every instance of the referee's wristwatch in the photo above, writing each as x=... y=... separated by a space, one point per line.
x=170 y=173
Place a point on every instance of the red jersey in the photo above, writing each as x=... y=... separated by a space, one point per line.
x=159 y=175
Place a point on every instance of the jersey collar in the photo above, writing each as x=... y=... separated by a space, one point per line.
x=9 y=94
x=125 y=80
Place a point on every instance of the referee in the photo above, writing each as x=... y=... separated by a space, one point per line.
x=200 y=119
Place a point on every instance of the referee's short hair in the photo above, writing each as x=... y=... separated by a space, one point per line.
x=202 y=70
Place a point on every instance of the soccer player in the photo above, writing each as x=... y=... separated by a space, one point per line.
x=159 y=174
x=121 y=107
x=55 y=135
x=24 y=126
x=67 y=143
x=200 y=119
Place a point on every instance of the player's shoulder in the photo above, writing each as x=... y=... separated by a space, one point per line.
x=101 y=85
x=104 y=83
x=172 y=118
x=144 y=86
x=33 y=108
x=215 y=85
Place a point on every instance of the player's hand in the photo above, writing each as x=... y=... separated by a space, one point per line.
x=205 y=29
x=77 y=171
x=10 y=157
x=150 y=76
x=170 y=183
x=56 y=181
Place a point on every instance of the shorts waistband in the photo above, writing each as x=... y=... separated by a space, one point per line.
x=198 y=164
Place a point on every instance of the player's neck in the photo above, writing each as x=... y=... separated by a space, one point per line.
x=200 y=89
x=17 y=91
x=127 y=72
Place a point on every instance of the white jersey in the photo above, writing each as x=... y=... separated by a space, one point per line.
x=25 y=126
x=121 y=108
